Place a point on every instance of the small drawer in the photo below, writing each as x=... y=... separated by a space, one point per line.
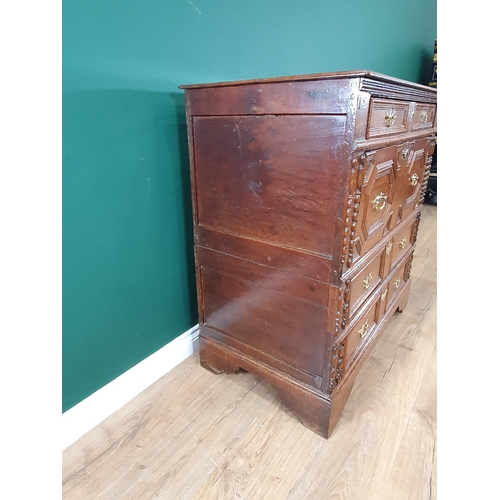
x=396 y=282
x=423 y=117
x=387 y=117
x=401 y=241
x=360 y=333
x=364 y=282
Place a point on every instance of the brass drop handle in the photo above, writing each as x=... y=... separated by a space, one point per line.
x=379 y=202
x=405 y=153
x=397 y=282
x=403 y=242
x=390 y=116
x=367 y=281
x=388 y=248
x=424 y=116
x=413 y=180
x=364 y=329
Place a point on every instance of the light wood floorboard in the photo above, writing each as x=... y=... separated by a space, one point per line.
x=193 y=435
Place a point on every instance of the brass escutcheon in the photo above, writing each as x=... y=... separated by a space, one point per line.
x=384 y=295
x=413 y=180
x=388 y=248
x=403 y=242
x=364 y=329
x=390 y=116
x=379 y=202
x=367 y=281
x=405 y=153
x=397 y=282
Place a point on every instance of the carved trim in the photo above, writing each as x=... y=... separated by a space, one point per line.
x=351 y=213
x=354 y=222
x=415 y=228
x=408 y=267
x=428 y=161
x=337 y=365
x=397 y=91
x=347 y=229
x=346 y=307
x=338 y=312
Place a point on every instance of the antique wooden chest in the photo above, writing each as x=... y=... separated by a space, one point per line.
x=306 y=193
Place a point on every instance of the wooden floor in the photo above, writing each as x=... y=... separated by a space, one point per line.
x=195 y=435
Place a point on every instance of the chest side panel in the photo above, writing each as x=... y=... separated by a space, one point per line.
x=275 y=178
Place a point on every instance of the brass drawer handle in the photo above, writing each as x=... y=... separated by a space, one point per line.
x=424 y=116
x=379 y=201
x=397 y=282
x=405 y=153
x=384 y=295
x=367 y=281
x=390 y=116
x=403 y=242
x=413 y=180
x=388 y=248
x=364 y=329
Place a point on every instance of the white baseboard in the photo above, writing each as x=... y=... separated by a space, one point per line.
x=90 y=412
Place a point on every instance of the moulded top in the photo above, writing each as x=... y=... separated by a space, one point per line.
x=316 y=76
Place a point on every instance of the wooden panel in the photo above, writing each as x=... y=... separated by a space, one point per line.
x=275 y=178
x=271 y=310
x=287 y=259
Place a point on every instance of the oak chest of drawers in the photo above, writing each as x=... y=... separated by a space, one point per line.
x=306 y=193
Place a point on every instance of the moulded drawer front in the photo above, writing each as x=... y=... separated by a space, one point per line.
x=396 y=282
x=387 y=117
x=423 y=116
x=401 y=242
x=376 y=198
x=360 y=332
x=364 y=282
x=411 y=176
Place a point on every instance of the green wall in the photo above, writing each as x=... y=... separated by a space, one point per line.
x=128 y=280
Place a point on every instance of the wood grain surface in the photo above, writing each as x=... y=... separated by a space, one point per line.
x=196 y=435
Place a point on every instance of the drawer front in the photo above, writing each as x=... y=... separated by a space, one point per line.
x=360 y=333
x=364 y=282
x=387 y=117
x=423 y=117
x=411 y=176
x=399 y=244
x=376 y=198
x=396 y=282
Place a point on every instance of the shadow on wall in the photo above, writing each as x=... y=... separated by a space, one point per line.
x=128 y=267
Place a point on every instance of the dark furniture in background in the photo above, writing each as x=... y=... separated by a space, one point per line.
x=431 y=194
x=306 y=198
